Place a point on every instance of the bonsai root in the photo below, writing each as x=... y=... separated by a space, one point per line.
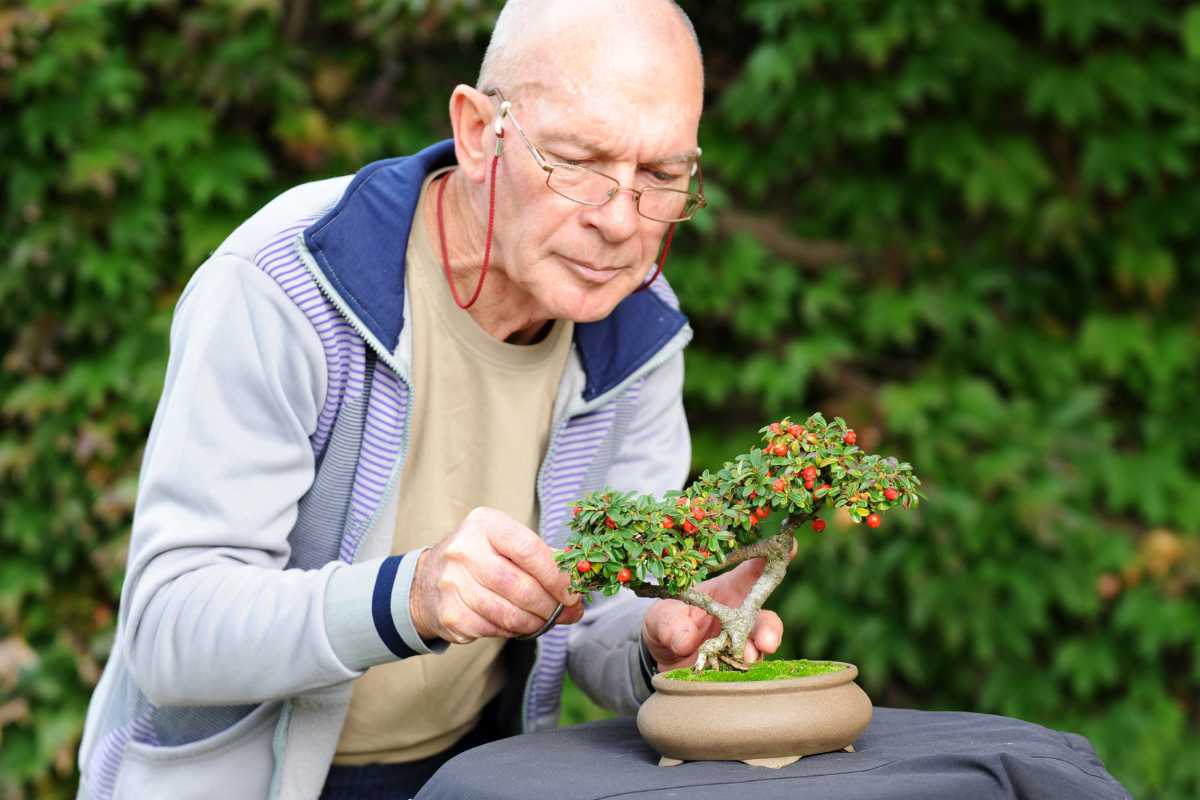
x=717 y=650
x=733 y=662
x=710 y=650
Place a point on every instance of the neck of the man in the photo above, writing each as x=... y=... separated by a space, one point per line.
x=504 y=310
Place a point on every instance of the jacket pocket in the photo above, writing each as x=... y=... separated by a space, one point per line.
x=234 y=764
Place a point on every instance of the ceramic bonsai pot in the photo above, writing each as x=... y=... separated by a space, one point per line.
x=769 y=723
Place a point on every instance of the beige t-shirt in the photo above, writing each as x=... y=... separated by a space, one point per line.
x=480 y=426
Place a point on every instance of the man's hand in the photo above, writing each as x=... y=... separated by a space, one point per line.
x=491 y=577
x=673 y=631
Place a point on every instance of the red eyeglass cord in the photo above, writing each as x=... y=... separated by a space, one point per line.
x=487 y=247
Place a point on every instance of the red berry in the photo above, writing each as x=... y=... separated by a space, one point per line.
x=688 y=526
x=808 y=484
x=698 y=513
x=780 y=484
x=704 y=554
x=780 y=450
x=681 y=501
x=610 y=522
x=568 y=548
x=818 y=525
x=665 y=551
x=775 y=429
x=668 y=523
x=763 y=511
x=795 y=431
x=890 y=494
x=873 y=520
x=850 y=438
x=575 y=511
x=767 y=448
x=583 y=566
x=753 y=494
x=753 y=520
x=809 y=473
x=624 y=576
x=826 y=486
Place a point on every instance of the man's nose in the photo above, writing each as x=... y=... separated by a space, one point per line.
x=618 y=219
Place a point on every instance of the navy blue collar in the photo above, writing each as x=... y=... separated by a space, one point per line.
x=361 y=243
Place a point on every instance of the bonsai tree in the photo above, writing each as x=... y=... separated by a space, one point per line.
x=663 y=548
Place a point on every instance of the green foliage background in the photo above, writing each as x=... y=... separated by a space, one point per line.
x=969 y=228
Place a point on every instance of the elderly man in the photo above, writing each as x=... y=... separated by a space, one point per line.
x=381 y=390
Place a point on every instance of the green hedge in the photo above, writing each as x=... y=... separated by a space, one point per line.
x=969 y=228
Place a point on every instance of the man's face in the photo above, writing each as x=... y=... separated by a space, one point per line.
x=579 y=261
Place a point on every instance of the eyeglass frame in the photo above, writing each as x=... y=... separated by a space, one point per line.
x=549 y=166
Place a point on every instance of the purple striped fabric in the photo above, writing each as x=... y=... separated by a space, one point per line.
x=106 y=762
x=571 y=458
x=383 y=439
x=345 y=351
x=345 y=357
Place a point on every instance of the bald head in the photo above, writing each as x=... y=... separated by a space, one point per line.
x=579 y=47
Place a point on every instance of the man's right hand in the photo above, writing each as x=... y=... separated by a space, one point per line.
x=491 y=577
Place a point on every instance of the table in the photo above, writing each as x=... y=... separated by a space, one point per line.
x=924 y=755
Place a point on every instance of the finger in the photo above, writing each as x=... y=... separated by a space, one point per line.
x=500 y=613
x=461 y=625
x=523 y=547
x=684 y=637
x=751 y=654
x=670 y=630
x=506 y=580
x=767 y=632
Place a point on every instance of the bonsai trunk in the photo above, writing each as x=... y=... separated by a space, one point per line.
x=736 y=623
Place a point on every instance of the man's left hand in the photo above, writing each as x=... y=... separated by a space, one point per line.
x=673 y=631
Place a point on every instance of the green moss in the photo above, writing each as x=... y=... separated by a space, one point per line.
x=760 y=671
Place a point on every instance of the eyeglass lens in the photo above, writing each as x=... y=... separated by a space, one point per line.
x=668 y=203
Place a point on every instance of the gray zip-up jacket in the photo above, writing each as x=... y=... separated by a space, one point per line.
x=259 y=583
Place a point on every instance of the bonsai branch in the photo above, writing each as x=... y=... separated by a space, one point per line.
x=692 y=596
x=765 y=548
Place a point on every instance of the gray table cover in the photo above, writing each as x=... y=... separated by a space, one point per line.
x=903 y=754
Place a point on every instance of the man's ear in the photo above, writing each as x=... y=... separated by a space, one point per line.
x=471 y=115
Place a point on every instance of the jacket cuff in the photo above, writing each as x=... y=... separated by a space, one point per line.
x=367 y=613
x=648 y=668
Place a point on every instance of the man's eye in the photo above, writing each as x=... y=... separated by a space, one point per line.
x=664 y=177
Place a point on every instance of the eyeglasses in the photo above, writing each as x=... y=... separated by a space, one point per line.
x=664 y=198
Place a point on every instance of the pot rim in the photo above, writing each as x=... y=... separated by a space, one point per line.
x=828 y=680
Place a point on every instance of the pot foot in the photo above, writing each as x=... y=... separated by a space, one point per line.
x=773 y=763
x=666 y=761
